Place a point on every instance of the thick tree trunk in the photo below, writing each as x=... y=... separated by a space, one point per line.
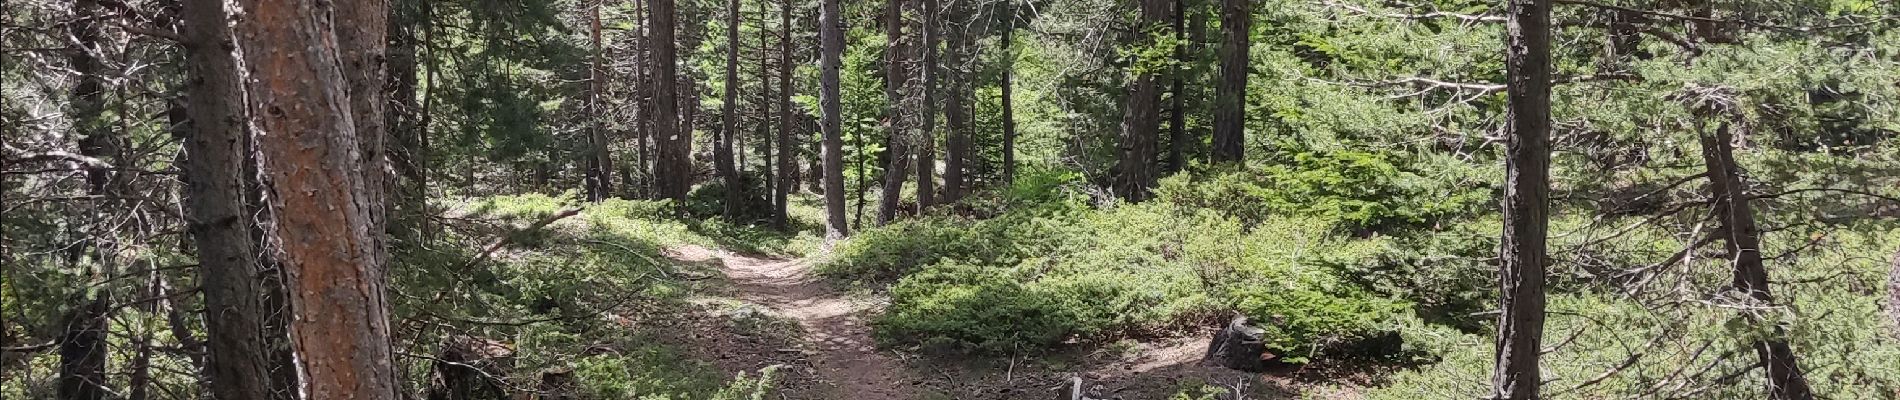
x=1785 y=380
x=956 y=138
x=1140 y=118
x=729 y=124
x=217 y=216
x=672 y=140
x=1230 y=118
x=831 y=44
x=787 y=161
x=927 y=143
x=319 y=195
x=896 y=144
x=362 y=44
x=1526 y=202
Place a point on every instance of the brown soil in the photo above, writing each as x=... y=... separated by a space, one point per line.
x=836 y=339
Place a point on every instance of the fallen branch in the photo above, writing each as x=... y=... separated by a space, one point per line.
x=505 y=239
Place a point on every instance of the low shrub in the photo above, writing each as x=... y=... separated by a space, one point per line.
x=1130 y=270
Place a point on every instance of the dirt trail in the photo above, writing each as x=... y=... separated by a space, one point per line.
x=837 y=340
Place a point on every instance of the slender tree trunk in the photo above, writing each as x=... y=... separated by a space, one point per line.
x=926 y=146
x=1785 y=379
x=421 y=155
x=763 y=130
x=817 y=166
x=956 y=138
x=82 y=347
x=1230 y=117
x=1177 y=113
x=1008 y=45
x=787 y=161
x=729 y=126
x=320 y=194
x=896 y=146
x=1526 y=202
x=1140 y=118
x=410 y=203
x=642 y=105
x=600 y=155
x=831 y=44
x=217 y=215
x=672 y=165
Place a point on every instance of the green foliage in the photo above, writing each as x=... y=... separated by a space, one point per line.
x=893 y=251
x=1091 y=275
x=655 y=372
x=1367 y=191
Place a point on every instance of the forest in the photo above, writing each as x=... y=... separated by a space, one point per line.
x=949 y=199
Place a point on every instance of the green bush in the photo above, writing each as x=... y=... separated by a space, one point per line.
x=1128 y=271
x=974 y=307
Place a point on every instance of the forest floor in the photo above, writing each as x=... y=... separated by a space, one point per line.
x=778 y=313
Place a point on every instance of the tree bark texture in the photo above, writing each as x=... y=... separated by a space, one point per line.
x=319 y=196
x=1230 y=118
x=1526 y=202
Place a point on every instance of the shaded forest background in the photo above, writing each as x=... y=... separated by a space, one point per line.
x=1005 y=179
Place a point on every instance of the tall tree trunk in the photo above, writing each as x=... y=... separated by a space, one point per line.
x=216 y=210
x=672 y=140
x=927 y=144
x=1526 y=202
x=729 y=126
x=956 y=138
x=1230 y=117
x=1140 y=118
x=82 y=347
x=320 y=194
x=763 y=129
x=1785 y=380
x=831 y=44
x=600 y=155
x=896 y=144
x=787 y=162
x=642 y=105
x=1008 y=44
x=1177 y=111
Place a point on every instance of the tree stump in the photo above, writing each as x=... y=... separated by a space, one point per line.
x=1238 y=345
x=471 y=368
x=558 y=384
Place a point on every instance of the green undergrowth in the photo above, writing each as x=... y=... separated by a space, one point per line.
x=1399 y=273
x=1051 y=270
x=572 y=295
